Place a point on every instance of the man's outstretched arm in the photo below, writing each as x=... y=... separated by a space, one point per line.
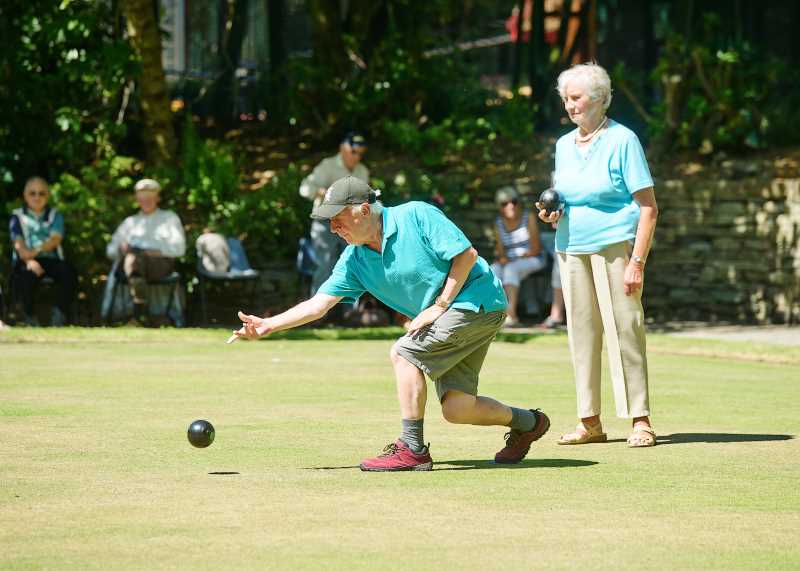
x=312 y=309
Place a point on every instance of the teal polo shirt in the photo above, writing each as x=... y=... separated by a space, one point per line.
x=34 y=230
x=419 y=244
x=598 y=189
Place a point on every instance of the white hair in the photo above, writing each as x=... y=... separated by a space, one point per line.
x=592 y=77
x=147 y=184
x=375 y=210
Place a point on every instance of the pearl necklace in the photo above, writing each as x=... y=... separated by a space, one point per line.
x=590 y=136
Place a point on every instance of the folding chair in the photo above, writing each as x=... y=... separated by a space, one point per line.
x=239 y=271
x=121 y=281
x=13 y=302
x=306 y=264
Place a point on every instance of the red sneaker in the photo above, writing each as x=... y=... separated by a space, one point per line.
x=397 y=457
x=518 y=443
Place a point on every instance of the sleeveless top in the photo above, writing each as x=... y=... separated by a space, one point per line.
x=517 y=241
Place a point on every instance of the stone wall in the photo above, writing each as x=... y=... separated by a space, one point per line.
x=727 y=245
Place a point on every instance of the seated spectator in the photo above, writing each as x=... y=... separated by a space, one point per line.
x=144 y=247
x=518 y=251
x=37 y=231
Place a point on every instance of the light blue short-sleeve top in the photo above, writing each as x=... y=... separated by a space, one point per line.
x=598 y=187
x=419 y=244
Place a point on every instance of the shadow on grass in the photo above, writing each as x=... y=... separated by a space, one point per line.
x=717 y=437
x=386 y=334
x=487 y=465
x=525 y=464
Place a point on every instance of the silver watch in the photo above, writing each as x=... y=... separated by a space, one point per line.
x=637 y=259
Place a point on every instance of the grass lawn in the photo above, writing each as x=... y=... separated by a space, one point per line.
x=96 y=471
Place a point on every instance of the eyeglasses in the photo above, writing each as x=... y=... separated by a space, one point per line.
x=513 y=201
x=358 y=153
x=36 y=193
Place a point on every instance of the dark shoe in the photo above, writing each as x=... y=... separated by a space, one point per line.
x=518 y=443
x=158 y=321
x=398 y=457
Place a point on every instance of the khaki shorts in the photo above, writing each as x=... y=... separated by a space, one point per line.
x=451 y=350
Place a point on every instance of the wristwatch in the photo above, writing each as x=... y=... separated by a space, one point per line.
x=441 y=303
x=637 y=259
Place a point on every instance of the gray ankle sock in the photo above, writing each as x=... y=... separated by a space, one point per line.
x=522 y=420
x=412 y=434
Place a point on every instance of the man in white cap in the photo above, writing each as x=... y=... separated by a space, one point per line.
x=147 y=243
x=416 y=261
x=347 y=162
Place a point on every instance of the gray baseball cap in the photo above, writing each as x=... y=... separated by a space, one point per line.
x=344 y=192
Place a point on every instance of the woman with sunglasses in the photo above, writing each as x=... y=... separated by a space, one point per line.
x=518 y=250
x=37 y=231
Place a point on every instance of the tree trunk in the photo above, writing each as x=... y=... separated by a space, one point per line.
x=144 y=33
x=516 y=70
x=276 y=21
x=327 y=41
x=230 y=54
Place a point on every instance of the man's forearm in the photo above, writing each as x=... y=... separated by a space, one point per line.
x=459 y=270
x=51 y=243
x=23 y=251
x=302 y=313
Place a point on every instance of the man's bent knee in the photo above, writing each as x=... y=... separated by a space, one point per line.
x=457 y=407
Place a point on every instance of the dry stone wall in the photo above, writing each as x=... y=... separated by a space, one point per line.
x=727 y=245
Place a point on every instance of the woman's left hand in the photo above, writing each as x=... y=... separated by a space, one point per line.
x=634 y=276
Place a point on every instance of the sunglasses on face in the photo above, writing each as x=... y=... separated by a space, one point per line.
x=513 y=201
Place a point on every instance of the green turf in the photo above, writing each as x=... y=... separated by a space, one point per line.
x=96 y=471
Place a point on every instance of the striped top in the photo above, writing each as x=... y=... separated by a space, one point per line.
x=516 y=242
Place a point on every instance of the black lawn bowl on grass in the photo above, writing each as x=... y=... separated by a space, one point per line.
x=201 y=434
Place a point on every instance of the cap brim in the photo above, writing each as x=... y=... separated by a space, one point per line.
x=327 y=211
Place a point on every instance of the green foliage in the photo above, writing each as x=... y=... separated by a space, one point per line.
x=713 y=98
x=431 y=107
x=63 y=66
x=209 y=193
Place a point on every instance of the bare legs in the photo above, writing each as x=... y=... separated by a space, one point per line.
x=512 y=293
x=457 y=407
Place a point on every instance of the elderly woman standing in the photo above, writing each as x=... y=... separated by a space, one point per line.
x=518 y=251
x=602 y=239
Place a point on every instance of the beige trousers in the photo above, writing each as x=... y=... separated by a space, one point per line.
x=594 y=295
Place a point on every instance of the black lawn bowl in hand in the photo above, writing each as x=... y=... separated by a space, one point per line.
x=201 y=433
x=551 y=201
